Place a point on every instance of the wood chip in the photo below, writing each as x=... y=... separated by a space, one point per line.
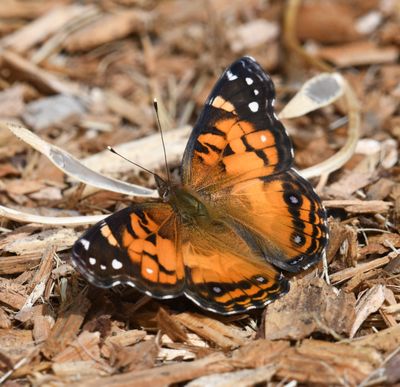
x=12 y=101
x=165 y=375
x=16 y=343
x=386 y=340
x=212 y=330
x=141 y=356
x=122 y=339
x=318 y=21
x=359 y=206
x=84 y=347
x=78 y=370
x=5 y=322
x=369 y=303
x=108 y=28
x=61 y=238
x=350 y=272
x=12 y=294
x=38 y=77
x=66 y=327
x=318 y=307
x=170 y=326
x=40 y=29
x=237 y=378
x=252 y=34
x=392 y=370
x=51 y=111
x=325 y=363
x=359 y=53
x=19 y=263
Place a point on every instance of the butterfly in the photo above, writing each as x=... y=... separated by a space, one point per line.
x=239 y=215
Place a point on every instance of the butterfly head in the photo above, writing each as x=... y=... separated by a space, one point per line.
x=163 y=187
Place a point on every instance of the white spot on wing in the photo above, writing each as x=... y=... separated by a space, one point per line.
x=249 y=81
x=102 y=267
x=116 y=264
x=256 y=92
x=293 y=199
x=85 y=243
x=92 y=261
x=297 y=239
x=253 y=106
x=231 y=76
x=150 y=271
x=217 y=289
x=263 y=138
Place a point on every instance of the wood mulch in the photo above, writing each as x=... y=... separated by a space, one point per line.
x=82 y=75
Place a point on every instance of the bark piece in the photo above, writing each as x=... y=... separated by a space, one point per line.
x=212 y=330
x=317 y=307
x=240 y=378
x=327 y=363
x=165 y=375
x=108 y=28
x=359 y=53
x=369 y=303
x=66 y=327
x=52 y=111
x=84 y=347
x=41 y=28
x=319 y=21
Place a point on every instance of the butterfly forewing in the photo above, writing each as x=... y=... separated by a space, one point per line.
x=138 y=246
x=237 y=135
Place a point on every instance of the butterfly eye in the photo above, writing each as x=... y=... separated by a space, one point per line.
x=165 y=195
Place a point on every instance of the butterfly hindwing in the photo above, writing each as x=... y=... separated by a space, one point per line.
x=237 y=135
x=281 y=216
x=138 y=246
x=223 y=274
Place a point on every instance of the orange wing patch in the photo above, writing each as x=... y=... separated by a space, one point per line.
x=223 y=275
x=151 y=243
x=138 y=246
x=283 y=216
x=221 y=103
x=233 y=150
x=107 y=233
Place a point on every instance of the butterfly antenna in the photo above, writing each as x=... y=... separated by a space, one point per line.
x=155 y=104
x=112 y=150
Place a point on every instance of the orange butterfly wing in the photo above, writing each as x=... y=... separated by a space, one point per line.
x=237 y=136
x=239 y=160
x=223 y=275
x=148 y=247
x=282 y=217
x=138 y=246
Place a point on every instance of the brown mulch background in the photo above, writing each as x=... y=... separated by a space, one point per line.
x=82 y=75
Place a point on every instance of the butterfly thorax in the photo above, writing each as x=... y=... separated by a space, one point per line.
x=189 y=208
x=187 y=205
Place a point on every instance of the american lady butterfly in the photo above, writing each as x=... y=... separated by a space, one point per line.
x=240 y=210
